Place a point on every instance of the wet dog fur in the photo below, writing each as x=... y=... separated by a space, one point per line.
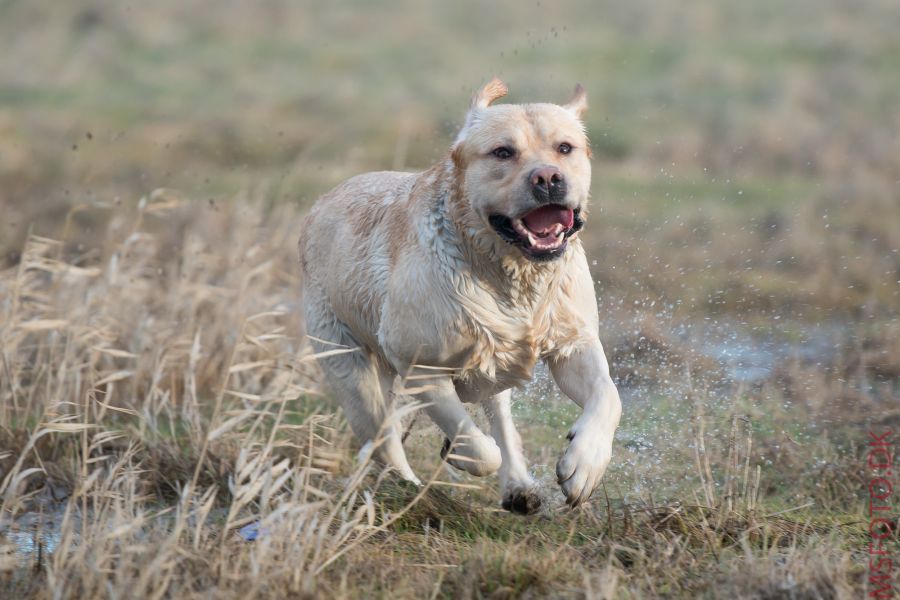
x=466 y=275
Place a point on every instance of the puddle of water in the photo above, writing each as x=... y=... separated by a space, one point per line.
x=32 y=533
x=751 y=355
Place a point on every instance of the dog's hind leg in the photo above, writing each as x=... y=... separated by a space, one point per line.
x=520 y=493
x=387 y=442
x=363 y=388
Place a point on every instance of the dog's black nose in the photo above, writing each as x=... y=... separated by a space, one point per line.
x=547 y=184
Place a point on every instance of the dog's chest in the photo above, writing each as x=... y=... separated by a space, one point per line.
x=505 y=337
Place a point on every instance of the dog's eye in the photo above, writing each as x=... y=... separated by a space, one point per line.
x=564 y=148
x=503 y=152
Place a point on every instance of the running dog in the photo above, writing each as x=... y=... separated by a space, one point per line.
x=467 y=274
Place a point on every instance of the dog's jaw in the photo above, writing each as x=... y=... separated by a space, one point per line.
x=533 y=247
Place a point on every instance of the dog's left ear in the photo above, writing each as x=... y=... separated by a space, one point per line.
x=578 y=104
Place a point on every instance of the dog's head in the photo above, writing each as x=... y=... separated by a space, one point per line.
x=525 y=170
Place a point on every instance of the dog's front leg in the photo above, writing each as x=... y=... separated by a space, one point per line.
x=520 y=493
x=469 y=449
x=584 y=377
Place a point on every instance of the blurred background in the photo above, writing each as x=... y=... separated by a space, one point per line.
x=747 y=155
x=746 y=181
x=156 y=159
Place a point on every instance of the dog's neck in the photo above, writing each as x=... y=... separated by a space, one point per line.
x=457 y=235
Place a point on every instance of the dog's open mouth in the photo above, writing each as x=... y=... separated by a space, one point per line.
x=541 y=234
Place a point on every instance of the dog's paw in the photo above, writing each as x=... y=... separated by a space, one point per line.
x=477 y=456
x=582 y=466
x=523 y=501
x=414 y=483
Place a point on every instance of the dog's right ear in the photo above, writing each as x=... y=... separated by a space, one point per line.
x=493 y=90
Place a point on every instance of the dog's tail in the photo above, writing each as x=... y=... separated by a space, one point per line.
x=302 y=250
x=303 y=254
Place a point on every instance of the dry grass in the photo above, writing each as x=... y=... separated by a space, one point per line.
x=155 y=389
x=158 y=396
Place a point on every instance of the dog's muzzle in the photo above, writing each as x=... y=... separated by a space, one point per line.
x=541 y=234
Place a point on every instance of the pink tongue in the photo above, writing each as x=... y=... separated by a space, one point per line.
x=542 y=220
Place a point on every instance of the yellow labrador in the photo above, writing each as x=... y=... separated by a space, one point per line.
x=472 y=270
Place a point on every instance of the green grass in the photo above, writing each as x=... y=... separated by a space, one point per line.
x=664 y=196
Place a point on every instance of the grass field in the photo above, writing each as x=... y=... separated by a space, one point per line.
x=157 y=394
